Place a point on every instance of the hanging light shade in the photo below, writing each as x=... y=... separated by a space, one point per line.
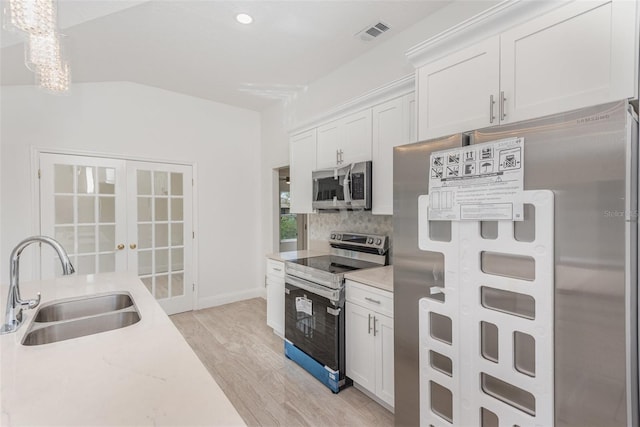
x=43 y=53
x=54 y=77
x=35 y=17
x=42 y=50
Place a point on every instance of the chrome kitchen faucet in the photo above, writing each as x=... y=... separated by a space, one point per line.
x=13 y=315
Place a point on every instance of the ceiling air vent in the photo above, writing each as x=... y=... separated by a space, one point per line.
x=373 y=31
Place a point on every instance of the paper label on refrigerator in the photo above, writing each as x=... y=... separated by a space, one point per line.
x=477 y=182
x=304 y=305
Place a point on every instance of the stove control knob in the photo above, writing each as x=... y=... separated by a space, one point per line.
x=378 y=241
x=333 y=236
x=338 y=236
x=370 y=240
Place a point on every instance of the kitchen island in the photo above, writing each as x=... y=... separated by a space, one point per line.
x=142 y=374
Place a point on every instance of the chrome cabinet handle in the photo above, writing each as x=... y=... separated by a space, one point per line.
x=492 y=102
x=374 y=326
x=503 y=99
x=375 y=301
x=277 y=269
x=337 y=157
x=369 y=324
x=341 y=158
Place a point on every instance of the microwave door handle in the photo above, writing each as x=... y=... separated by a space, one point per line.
x=347 y=186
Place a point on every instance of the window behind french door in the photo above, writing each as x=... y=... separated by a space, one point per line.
x=121 y=215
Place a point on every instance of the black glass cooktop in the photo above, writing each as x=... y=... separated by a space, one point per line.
x=335 y=264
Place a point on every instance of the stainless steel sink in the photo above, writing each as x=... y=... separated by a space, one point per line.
x=78 y=317
x=72 y=309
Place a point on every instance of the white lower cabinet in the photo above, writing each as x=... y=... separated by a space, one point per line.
x=274 y=282
x=369 y=340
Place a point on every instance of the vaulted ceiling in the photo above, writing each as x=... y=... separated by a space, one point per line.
x=196 y=47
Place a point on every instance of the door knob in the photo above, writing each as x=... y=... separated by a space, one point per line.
x=120 y=247
x=133 y=246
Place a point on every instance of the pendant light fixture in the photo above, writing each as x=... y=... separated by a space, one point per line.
x=37 y=19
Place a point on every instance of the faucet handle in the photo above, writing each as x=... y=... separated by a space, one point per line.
x=31 y=303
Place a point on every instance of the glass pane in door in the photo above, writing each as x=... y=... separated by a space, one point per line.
x=84 y=218
x=160 y=231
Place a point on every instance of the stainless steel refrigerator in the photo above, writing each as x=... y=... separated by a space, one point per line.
x=588 y=159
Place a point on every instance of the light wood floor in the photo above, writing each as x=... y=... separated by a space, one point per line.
x=247 y=360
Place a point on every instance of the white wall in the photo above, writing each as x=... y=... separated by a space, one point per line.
x=381 y=65
x=275 y=154
x=135 y=120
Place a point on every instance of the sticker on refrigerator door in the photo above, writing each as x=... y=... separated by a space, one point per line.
x=478 y=182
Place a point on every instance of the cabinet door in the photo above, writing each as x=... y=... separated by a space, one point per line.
x=388 y=132
x=384 y=358
x=360 y=346
x=302 y=158
x=578 y=55
x=454 y=93
x=275 y=304
x=410 y=118
x=356 y=145
x=330 y=137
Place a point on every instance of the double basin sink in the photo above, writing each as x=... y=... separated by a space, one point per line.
x=77 y=317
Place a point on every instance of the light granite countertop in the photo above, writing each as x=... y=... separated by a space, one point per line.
x=143 y=374
x=291 y=255
x=379 y=277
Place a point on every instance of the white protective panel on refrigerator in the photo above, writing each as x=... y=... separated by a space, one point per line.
x=486 y=353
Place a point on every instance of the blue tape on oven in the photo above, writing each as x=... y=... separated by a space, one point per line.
x=325 y=375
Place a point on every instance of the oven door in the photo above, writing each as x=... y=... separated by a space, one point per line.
x=314 y=324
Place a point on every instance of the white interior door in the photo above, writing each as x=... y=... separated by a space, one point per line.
x=160 y=245
x=121 y=215
x=83 y=206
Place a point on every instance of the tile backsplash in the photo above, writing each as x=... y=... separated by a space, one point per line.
x=322 y=224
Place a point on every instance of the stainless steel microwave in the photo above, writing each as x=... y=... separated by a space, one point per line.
x=344 y=187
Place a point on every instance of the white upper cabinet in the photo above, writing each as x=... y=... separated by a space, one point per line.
x=357 y=137
x=576 y=55
x=455 y=92
x=582 y=54
x=329 y=142
x=302 y=156
x=392 y=126
x=346 y=140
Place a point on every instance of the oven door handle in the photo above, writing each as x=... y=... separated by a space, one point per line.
x=330 y=294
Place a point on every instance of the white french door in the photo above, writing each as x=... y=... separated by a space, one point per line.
x=121 y=215
x=83 y=206
x=159 y=227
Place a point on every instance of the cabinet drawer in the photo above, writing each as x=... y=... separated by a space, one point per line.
x=275 y=268
x=369 y=297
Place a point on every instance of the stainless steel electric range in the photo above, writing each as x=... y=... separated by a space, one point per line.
x=314 y=303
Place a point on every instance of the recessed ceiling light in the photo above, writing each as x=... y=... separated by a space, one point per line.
x=243 y=18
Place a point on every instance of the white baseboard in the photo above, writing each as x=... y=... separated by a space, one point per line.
x=217 y=300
